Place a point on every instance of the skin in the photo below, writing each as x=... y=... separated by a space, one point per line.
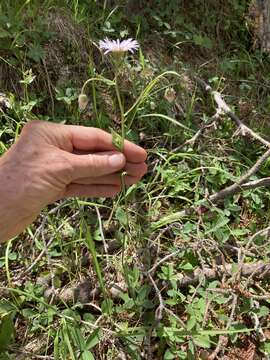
x=50 y=162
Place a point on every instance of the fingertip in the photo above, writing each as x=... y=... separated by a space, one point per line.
x=134 y=153
x=143 y=154
x=145 y=168
x=136 y=169
x=117 y=161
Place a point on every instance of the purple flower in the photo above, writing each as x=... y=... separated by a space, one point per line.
x=117 y=46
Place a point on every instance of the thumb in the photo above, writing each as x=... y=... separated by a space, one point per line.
x=95 y=165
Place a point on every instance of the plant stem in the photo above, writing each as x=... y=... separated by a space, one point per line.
x=104 y=80
x=121 y=110
x=123 y=174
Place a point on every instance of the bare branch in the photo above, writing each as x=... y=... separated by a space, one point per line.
x=237 y=186
x=221 y=104
x=256 y=183
x=210 y=274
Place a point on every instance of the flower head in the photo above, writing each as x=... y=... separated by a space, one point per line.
x=117 y=46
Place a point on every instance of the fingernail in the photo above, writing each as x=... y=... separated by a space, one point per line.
x=116 y=161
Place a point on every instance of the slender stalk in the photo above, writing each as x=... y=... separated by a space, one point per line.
x=94 y=99
x=106 y=81
x=94 y=92
x=123 y=174
x=122 y=114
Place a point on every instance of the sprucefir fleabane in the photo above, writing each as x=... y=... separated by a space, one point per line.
x=117 y=46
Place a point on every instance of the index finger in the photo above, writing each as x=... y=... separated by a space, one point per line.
x=94 y=140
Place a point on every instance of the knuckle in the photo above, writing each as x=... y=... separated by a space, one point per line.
x=92 y=164
x=96 y=163
x=31 y=126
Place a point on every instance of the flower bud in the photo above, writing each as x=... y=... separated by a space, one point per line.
x=5 y=103
x=82 y=101
x=170 y=95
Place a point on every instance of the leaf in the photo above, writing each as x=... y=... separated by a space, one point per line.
x=262 y=311
x=169 y=355
x=92 y=248
x=28 y=313
x=265 y=347
x=93 y=339
x=187 y=267
x=87 y=355
x=4 y=356
x=6 y=331
x=121 y=216
x=203 y=341
x=68 y=343
x=203 y=41
x=107 y=306
x=77 y=337
x=4 y=34
x=117 y=140
x=239 y=232
x=222 y=221
x=170 y=119
x=36 y=53
x=56 y=346
x=191 y=323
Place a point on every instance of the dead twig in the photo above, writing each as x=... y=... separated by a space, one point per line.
x=155 y=266
x=256 y=183
x=218 y=196
x=210 y=274
x=223 y=339
x=221 y=104
x=237 y=186
x=195 y=137
x=43 y=252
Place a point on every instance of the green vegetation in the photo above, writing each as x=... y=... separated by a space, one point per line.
x=64 y=295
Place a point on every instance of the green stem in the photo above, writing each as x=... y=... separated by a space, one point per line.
x=94 y=93
x=126 y=227
x=123 y=139
x=106 y=81
x=122 y=113
x=94 y=99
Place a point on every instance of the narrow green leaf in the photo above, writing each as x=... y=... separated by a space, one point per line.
x=6 y=331
x=87 y=355
x=93 y=339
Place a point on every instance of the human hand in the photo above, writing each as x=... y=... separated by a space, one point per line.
x=53 y=161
